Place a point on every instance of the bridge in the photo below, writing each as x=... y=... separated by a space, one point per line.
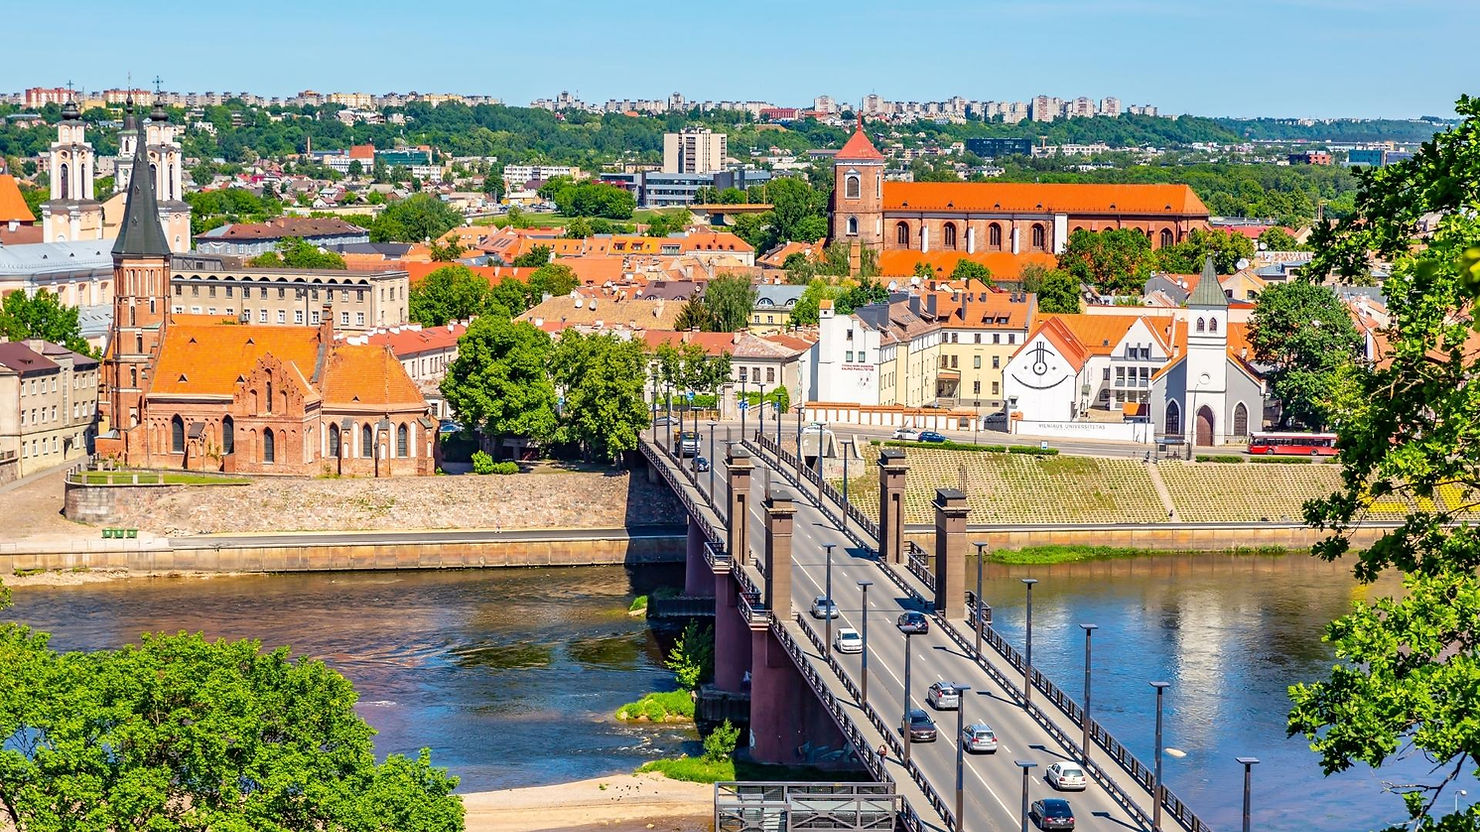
x=766 y=539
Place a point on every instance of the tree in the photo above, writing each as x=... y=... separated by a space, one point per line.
x=863 y=294
x=1117 y=260
x=697 y=316
x=356 y=168
x=295 y=253
x=971 y=270
x=536 y=256
x=500 y=383
x=1057 y=290
x=416 y=218
x=730 y=299
x=447 y=250
x=805 y=311
x=923 y=270
x=595 y=199
x=1407 y=676
x=1275 y=238
x=1306 y=336
x=603 y=379
x=42 y=316
x=177 y=732
x=668 y=222
x=692 y=657
x=451 y=293
x=1186 y=257
x=493 y=185
x=799 y=211
x=553 y=279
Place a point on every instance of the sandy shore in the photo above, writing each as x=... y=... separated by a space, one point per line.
x=619 y=803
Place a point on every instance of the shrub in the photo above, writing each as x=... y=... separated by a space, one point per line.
x=692 y=659
x=658 y=707
x=638 y=603
x=948 y=446
x=1223 y=458
x=693 y=769
x=482 y=463
x=720 y=743
x=503 y=468
x=654 y=711
x=1032 y=451
x=1284 y=460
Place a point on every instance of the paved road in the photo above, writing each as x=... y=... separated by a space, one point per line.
x=448 y=536
x=993 y=787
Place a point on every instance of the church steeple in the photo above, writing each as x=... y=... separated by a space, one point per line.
x=140 y=234
x=1208 y=293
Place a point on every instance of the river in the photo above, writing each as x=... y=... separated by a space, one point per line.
x=511 y=676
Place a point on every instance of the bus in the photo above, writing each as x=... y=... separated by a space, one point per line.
x=1293 y=444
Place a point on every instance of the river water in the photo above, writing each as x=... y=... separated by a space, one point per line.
x=511 y=676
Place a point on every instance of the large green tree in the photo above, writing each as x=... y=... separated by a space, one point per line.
x=602 y=378
x=730 y=299
x=296 y=253
x=1407 y=678
x=1226 y=247
x=42 y=316
x=595 y=199
x=1304 y=333
x=500 y=381
x=415 y=219
x=452 y=293
x=1057 y=290
x=178 y=733
x=1117 y=260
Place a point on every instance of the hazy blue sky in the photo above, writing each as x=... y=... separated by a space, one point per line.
x=1228 y=57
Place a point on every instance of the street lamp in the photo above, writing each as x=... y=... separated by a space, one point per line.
x=827 y=590
x=979 y=548
x=907 y=700
x=1089 y=630
x=655 y=417
x=1156 y=784
x=776 y=407
x=799 y=441
x=961 y=691
x=863 y=695
x=1028 y=653
x=1025 y=765
x=712 y=425
x=1457 y=796
x=760 y=418
x=821 y=450
x=847 y=452
x=1248 y=764
x=744 y=404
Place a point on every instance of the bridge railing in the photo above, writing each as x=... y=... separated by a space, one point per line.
x=917 y=560
x=786 y=466
x=752 y=609
x=663 y=463
x=716 y=556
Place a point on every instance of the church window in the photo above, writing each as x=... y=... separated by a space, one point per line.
x=65 y=193
x=852 y=226
x=1212 y=325
x=131 y=321
x=228 y=435
x=851 y=187
x=1240 y=420
x=177 y=435
x=994 y=235
x=902 y=234
x=1166 y=237
x=269 y=393
x=878 y=187
x=334 y=441
x=1201 y=325
x=269 y=447
x=949 y=235
x=401 y=441
x=139 y=344
x=1039 y=237
x=1174 y=419
x=367 y=441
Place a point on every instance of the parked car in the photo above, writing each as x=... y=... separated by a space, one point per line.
x=979 y=738
x=943 y=696
x=848 y=641
x=701 y=464
x=909 y=434
x=449 y=426
x=920 y=726
x=913 y=622
x=931 y=436
x=998 y=418
x=823 y=607
x=1066 y=777
x=1052 y=813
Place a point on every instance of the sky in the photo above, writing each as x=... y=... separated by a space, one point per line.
x=1308 y=58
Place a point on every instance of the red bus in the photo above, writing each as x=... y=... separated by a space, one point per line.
x=1293 y=444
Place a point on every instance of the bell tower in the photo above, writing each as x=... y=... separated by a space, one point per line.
x=166 y=166
x=72 y=213
x=1207 y=359
x=858 y=194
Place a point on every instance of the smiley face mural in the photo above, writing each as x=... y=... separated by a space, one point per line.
x=1043 y=371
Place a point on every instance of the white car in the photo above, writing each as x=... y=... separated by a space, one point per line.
x=823 y=607
x=1066 y=777
x=848 y=641
x=908 y=434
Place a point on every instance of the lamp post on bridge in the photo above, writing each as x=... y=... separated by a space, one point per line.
x=1156 y=784
x=821 y=452
x=863 y=695
x=1025 y=765
x=712 y=459
x=1028 y=653
x=760 y=418
x=1248 y=764
x=978 y=611
x=744 y=404
x=961 y=691
x=1089 y=630
x=827 y=590
x=799 y=444
x=847 y=452
x=776 y=408
x=908 y=702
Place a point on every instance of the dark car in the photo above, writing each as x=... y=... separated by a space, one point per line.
x=1052 y=813
x=931 y=436
x=913 y=622
x=920 y=726
x=701 y=464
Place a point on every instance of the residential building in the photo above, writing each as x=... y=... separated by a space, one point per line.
x=694 y=151
x=354 y=300
x=1310 y=157
x=516 y=177
x=17 y=223
x=48 y=406
x=773 y=303
x=609 y=313
x=251 y=239
x=980 y=330
x=424 y=352
x=882 y=354
x=997 y=148
x=758 y=364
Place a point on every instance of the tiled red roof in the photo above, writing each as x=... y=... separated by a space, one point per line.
x=859 y=148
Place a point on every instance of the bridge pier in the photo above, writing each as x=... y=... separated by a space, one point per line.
x=732 y=638
x=780 y=513
x=698 y=580
x=950 y=553
x=892 y=468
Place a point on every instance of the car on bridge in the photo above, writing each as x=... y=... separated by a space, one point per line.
x=1066 y=777
x=1052 y=813
x=944 y=696
x=824 y=607
x=919 y=726
x=688 y=443
x=848 y=641
x=908 y=434
x=979 y=738
x=701 y=463
x=931 y=436
x=913 y=623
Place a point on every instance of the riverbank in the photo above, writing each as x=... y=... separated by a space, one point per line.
x=1043 y=555
x=618 y=803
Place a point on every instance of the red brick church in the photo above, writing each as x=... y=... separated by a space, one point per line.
x=215 y=394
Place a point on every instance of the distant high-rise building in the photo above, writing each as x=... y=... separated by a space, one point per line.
x=825 y=104
x=1110 y=106
x=694 y=151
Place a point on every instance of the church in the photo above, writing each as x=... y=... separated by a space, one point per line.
x=208 y=393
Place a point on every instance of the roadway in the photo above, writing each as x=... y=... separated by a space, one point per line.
x=993 y=783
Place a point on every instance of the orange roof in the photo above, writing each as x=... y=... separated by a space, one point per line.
x=12 y=204
x=859 y=148
x=367 y=374
x=1054 y=198
x=416 y=339
x=1004 y=265
x=417 y=272
x=362 y=151
x=1100 y=333
x=596 y=269
x=205 y=356
x=978 y=306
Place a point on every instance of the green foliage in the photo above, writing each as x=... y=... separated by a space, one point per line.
x=971 y=270
x=452 y=293
x=209 y=209
x=1222 y=458
x=798 y=213
x=505 y=468
x=1032 y=450
x=664 y=223
x=536 y=256
x=863 y=294
x=42 y=316
x=1275 y=238
x=1117 y=260
x=1057 y=290
x=692 y=769
x=295 y=253
x=805 y=311
x=638 y=603
x=729 y=299
x=482 y=463
x=720 y=743
x=692 y=657
x=417 y=218
x=1408 y=670
x=660 y=707
x=603 y=379
x=447 y=251
x=500 y=384
x=1187 y=257
x=179 y=733
x=1305 y=334
x=592 y=199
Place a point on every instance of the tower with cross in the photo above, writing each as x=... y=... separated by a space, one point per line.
x=166 y=165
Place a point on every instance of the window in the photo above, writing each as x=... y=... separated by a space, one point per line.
x=1240 y=420
x=334 y=441
x=359 y=319
x=367 y=441
x=401 y=443
x=996 y=337
x=1039 y=238
x=195 y=291
x=297 y=316
x=1011 y=338
x=228 y=435
x=1200 y=325
x=949 y=236
x=314 y=317
x=1166 y=237
x=282 y=292
x=195 y=310
x=262 y=316
x=852 y=188
x=978 y=337
x=976 y=388
x=902 y=234
x=976 y=362
x=211 y=291
x=1212 y=325
x=955 y=362
x=852 y=226
x=770 y=375
x=996 y=362
x=269 y=447
x=230 y=291
x=994 y=235
x=745 y=372
x=282 y=316
x=179 y=290
x=344 y=318
x=177 y=435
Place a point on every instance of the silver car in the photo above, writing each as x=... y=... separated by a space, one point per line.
x=823 y=607
x=944 y=696
x=979 y=738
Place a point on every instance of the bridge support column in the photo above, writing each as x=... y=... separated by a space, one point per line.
x=950 y=552
x=788 y=725
x=732 y=637
x=737 y=536
x=892 y=468
x=698 y=580
x=779 y=516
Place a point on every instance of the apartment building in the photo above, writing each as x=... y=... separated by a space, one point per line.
x=881 y=354
x=980 y=330
x=48 y=406
x=357 y=300
x=694 y=151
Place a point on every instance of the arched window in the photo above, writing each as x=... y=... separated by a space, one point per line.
x=948 y=237
x=994 y=235
x=1212 y=324
x=269 y=392
x=133 y=377
x=228 y=435
x=852 y=226
x=334 y=441
x=65 y=193
x=402 y=446
x=367 y=441
x=1174 y=419
x=1240 y=420
x=1166 y=237
x=902 y=234
x=852 y=188
x=269 y=447
x=177 y=435
x=1038 y=237
x=1200 y=325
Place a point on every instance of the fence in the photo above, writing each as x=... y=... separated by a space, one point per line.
x=918 y=562
x=680 y=487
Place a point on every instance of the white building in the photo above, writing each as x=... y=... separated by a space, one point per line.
x=695 y=150
x=517 y=176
